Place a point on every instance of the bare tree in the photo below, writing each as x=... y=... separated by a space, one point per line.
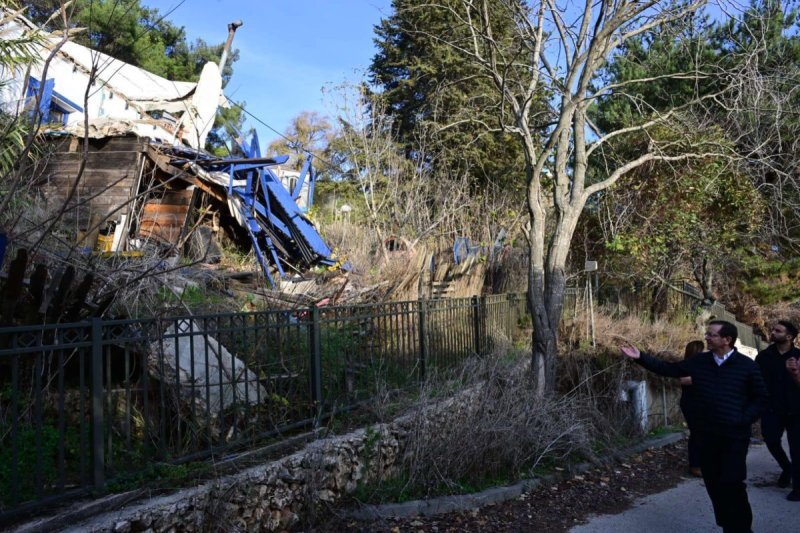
x=560 y=50
x=399 y=194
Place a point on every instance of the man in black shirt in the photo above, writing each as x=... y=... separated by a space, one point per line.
x=783 y=409
x=730 y=396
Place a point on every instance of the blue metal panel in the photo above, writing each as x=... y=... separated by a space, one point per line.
x=34 y=86
x=47 y=99
x=306 y=228
x=274 y=221
x=255 y=146
x=60 y=99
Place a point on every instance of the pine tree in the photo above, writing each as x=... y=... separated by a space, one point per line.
x=427 y=85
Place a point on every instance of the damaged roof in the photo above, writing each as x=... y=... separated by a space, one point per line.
x=144 y=89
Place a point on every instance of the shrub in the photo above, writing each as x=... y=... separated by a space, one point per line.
x=496 y=430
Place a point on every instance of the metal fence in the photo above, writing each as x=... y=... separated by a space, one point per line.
x=84 y=405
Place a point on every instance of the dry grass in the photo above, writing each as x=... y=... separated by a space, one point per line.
x=596 y=375
x=495 y=429
x=354 y=243
x=668 y=337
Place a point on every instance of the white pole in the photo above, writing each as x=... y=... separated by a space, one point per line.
x=591 y=308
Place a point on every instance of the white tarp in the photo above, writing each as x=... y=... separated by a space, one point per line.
x=88 y=82
x=203 y=109
x=100 y=128
x=142 y=88
x=216 y=381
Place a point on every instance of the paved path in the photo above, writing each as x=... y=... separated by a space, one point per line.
x=686 y=507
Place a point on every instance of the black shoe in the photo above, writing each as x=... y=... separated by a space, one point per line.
x=785 y=479
x=794 y=496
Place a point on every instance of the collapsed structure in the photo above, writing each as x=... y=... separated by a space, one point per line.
x=145 y=181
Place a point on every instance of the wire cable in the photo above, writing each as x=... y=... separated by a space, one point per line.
x=332 y=166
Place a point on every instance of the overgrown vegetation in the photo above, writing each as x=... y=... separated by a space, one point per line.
x=482 y=425
x=439 y=154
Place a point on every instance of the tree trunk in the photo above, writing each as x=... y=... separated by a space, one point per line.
x=704 y=275
x=545 y=302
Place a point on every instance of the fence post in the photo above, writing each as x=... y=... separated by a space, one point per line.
x=316 y=360
x=98 y=453
x=510 y=315
x=423 y=337
x=476 y=322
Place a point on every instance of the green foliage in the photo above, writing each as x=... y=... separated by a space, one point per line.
x=700 y=209
x=12 y=141
x=16 y=52
x=228 y=123
x=335 y=193
x=663 y=55
x=684 y=220
x=158 y=475
x=30 y=442
x=770 y=279
x=660 y=431
x=399 y=489
x=426 y=84
x=194 y=297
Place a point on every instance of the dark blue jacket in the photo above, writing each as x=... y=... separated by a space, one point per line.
x=784 y=393
x=728 y=398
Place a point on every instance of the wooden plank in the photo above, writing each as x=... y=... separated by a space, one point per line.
x=161 y=161
x=74 y=158
x=156 y=209
x=106 y=195
x=210 y=191
x=61 y=144
x=96 y=181
x=177 y=197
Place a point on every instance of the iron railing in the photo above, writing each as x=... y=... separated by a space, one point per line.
x=84 y=405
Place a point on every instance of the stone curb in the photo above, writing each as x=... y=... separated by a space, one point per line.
x=462 y=502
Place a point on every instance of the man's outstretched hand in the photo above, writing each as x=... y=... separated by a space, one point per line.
x=630 y=350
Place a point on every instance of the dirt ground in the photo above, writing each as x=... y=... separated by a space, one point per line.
x=553 y=508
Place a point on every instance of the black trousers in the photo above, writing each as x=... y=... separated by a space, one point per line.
x=694 y=441
x=772 y=427
x=723 y=461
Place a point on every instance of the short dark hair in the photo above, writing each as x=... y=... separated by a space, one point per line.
x=791 y=329
x=726 y=330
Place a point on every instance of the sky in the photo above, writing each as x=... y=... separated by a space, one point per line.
x=288 y=50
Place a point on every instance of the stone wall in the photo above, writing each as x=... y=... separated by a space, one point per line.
x=269 y=497
x=273 y=497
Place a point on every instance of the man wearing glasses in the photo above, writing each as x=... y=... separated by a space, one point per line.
x=730 y=396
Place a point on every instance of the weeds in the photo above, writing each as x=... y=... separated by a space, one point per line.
x=488 y=433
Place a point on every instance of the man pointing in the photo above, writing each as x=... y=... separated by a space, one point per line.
x=730 y=396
